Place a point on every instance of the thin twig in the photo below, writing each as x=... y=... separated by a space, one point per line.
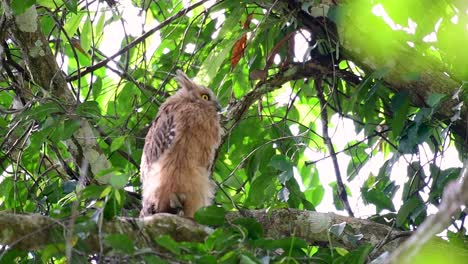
x=342 y=195
x=68 y=232
x=135 y=42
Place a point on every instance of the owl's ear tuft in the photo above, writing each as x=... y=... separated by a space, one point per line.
x=184 y=81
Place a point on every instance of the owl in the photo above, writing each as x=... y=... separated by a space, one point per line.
x=179 y=151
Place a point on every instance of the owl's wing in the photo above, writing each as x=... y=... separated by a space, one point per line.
x=160 y=136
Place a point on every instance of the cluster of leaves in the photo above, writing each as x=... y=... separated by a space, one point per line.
x=263 y=162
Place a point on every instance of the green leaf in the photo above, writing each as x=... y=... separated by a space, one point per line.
x=117 y=143
x=105 y=191
x=291 y=245
x=280 y=162
x=407 y=209
x=400 y=107
x=168 y=243
x=153 y=259
x=435 y=99
x=51 y=250
x=440 y=180
x=220 y=239
x=357 y=256
x=416 y=180
x=259 y=190
x=378 y=198
x=69 y=127
x=93 y=191
x=229 y=257
x=211 y=215
x=359 y=157
x=255 y=230
x=72 y=5
x=13 y=255
x=120 y=242
x=97 y=87
x=89 y=109
x=72 y=24
x=336 y=199
x=49 y=4
x=19 y=6
x=119 y=181
x=315 y=195
x=246 y=260
x=100 y=27
x=42 y=111
x=231 y=24
x=56 y=128
x=113 y=205
x=86 y=35
x=69 y=186
x=342 y=251
x=211 y=65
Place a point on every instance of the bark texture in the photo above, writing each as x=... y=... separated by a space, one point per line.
x=35 y=231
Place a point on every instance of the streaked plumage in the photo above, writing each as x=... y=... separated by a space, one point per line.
x=179 y=151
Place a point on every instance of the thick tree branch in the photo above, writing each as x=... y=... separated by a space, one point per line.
x=313 y=227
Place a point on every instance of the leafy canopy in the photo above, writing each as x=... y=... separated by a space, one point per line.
x=252 y=55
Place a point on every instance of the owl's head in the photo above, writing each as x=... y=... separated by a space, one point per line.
x=195 y=92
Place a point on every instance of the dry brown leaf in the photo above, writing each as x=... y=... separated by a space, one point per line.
x=239 y=47
x=238 y=51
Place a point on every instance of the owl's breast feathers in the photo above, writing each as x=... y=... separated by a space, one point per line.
x=180 y=150
x=188 y=130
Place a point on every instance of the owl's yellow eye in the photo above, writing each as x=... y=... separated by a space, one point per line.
x=205 y=97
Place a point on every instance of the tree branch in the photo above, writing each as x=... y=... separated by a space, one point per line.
x=44 y=71
x=313 y=227
x=454 y=198
x=135 y=42
x=343 y=196
x=291 y=72
x=399 y=60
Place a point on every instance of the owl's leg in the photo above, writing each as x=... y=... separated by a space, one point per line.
x=156 y=203
x=147 y=209
x=172 y=203
x=193 y=203
x=176 y=203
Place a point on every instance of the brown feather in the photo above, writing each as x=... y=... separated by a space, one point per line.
x=179 y=149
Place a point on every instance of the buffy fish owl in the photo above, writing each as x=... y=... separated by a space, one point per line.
x=179 y=151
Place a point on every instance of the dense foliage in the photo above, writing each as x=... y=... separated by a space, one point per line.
x=289 y=85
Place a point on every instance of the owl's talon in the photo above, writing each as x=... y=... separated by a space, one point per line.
x=147 y=210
